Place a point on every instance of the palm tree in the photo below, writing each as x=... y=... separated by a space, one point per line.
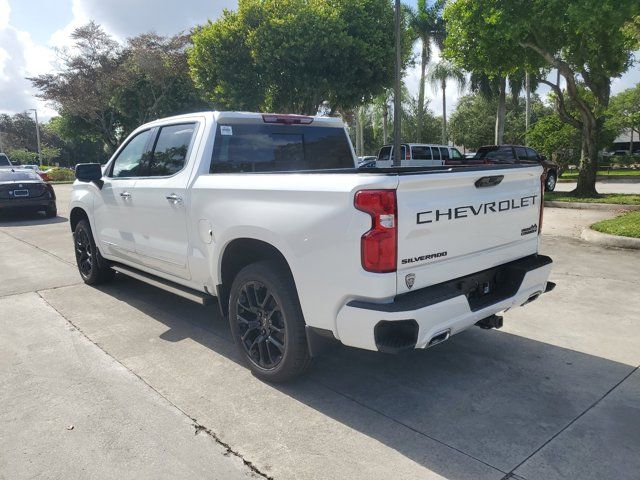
x=427 y=26
x=438 y=76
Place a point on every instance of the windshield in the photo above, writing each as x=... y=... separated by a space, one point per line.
x=279 y=148
x=18 y=175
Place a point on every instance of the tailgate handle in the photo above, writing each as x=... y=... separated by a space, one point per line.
x=489 y=181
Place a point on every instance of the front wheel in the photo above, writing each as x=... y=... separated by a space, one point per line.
x=92 y=266
x=267 y=324
x=550 y=184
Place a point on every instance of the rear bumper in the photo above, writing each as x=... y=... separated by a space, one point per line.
x=414 y=318
x=27 y=202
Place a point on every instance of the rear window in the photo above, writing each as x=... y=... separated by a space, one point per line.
x=18 y=175
x=279 y=148
x=496 y=154
x=4 y=161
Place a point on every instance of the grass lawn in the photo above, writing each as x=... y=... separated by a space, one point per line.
x=605 y=173
x=613 y=198
x=625 y=225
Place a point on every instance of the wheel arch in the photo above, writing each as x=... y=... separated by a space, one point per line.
x=239 y=253
x=77 y=214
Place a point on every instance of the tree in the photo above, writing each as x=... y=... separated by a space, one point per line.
x=472 y=123
x=438 y=76
x=428 y=27
x=104 y=90
x=556 y=139
x=624 y=112
x=291 y=55
x=584 y=39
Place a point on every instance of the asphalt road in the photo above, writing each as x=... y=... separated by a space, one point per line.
x=137 y=373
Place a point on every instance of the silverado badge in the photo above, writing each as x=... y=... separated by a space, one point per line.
x=410 y=280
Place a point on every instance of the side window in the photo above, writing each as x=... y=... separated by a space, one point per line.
x=533 y=155
x=170 y=151
x=421 y=153
x=455 y=153
x=521 y=153
x=436 y=153
x=385 y=154
x=444 y=151
x=130 y=161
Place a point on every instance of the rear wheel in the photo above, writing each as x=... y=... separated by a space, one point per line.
x=550 y=183
x=93 y=268
x=267 y=324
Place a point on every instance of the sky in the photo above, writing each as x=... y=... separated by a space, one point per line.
x=30 y=30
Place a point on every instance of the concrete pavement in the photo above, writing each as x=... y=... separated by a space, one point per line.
x=551 y=395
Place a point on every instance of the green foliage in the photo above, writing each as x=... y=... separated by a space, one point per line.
x=290 y=55
x=22 y=156
x=624 y=110
x=472 y=123
x=557 y=140
x=61 y=175
x=608 y=198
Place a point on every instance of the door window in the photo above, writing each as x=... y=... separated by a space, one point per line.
x=532 y=155
x=445 y=153
x=170 y=151
x=421 y=153
x=130 y=161
x=436 y=153
x=521 y=152
x=455 y=153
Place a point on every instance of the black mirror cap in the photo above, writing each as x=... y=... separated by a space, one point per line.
x=89 y=172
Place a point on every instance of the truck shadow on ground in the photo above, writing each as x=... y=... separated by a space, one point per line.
x=489 y=396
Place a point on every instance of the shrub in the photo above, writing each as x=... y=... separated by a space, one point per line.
x=61 y=175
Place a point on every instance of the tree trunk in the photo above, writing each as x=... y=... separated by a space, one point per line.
x=444 y=112
x=360 y=126
x=502 y=110
x=385 y=123
x=423 y=74
x=631 y=143
x=589 y=160
x=527 y=106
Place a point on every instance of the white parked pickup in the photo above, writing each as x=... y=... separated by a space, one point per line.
x=269 y=214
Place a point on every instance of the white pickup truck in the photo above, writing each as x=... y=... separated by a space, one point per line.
x=269 y=214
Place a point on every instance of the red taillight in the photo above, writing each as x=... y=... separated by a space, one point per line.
x=542 y=182
x=379 y=245
x=287 y=119
x=407 y=155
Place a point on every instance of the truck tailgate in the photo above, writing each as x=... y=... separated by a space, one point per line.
x=457 y=223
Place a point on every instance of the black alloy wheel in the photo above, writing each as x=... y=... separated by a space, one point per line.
x=93 y=268
x=263 y=333
x=266 y=322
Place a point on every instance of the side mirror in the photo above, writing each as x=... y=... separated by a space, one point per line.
x=543 y=158
x=89 y=172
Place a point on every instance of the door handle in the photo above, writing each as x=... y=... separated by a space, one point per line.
x=125 y=195
x=175 y=199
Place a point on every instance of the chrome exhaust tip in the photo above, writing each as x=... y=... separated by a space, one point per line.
x=439 y=337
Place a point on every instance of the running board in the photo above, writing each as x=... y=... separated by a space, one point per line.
x=166 y=285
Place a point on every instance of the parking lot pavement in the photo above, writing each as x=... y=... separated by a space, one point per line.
x=551 y=395
x=610 y=186
x=68 y=410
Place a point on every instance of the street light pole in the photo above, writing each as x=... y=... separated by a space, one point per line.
x=38 y=136
x=397 y=96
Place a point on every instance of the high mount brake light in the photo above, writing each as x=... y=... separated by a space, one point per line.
x=379 y=245
x=287 y=119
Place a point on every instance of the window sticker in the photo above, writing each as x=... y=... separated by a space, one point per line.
x=226 y=130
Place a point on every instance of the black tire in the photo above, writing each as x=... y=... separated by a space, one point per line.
x=267 y=323
x=51 y=211
x=550 y=182
x=93 y=268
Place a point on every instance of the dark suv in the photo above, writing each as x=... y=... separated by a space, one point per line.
x=518 y=154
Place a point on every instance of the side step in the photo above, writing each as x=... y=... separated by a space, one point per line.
x=166 y=285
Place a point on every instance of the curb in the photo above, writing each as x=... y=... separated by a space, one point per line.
x=607 y=240
x=590 y=206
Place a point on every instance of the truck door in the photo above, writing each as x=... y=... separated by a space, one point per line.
x=113 y=208
x=161 y=203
